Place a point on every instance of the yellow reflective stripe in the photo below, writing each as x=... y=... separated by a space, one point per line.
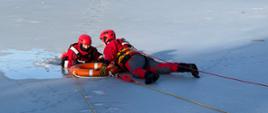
x=121 y=57
x=122 y=51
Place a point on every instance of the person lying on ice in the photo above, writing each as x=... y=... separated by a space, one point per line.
x=80 y=53
x=119 y=52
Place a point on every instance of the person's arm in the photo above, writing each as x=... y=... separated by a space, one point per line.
x=125 y=43
x=97 y=55
x=71 y=58
x=109 y=53
x=125 y=77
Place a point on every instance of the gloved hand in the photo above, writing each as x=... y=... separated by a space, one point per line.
x=126 y=77
x=113 y=69
x=102 y=60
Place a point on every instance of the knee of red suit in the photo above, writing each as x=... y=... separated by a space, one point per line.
x=139 y=72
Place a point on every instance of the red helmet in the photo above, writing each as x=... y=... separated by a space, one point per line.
x=107 y=35
x=84 y=39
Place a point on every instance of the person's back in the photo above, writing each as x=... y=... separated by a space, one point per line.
x=113 y=47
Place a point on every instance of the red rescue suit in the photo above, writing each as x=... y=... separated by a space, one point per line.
x=122 y=53
x=76 y=55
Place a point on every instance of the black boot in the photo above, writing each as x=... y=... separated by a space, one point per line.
x=150 y=78
x=194 y=70
x=189 y=68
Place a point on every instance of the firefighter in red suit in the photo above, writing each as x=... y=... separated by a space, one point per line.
x=81 y=52
x=119 y=52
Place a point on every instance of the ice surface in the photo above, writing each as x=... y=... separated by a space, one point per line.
x=226 y=37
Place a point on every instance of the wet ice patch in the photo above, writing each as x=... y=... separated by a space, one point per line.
x=34 y=64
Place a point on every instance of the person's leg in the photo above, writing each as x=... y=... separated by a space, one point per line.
x=168 y=67
x=161 y=67
x=136 y=65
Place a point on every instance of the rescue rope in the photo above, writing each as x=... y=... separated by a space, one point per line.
x=81 y=91
x=92 y=109
x=235 y=79
x=180 y=97
x=221 y=75
x=174 y=95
